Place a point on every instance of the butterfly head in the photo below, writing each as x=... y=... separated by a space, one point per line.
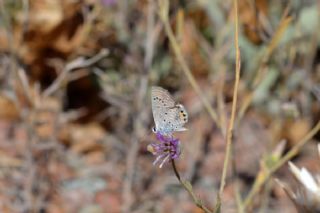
x=154 y=129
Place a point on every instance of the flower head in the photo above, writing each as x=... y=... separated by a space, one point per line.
x=166 y=148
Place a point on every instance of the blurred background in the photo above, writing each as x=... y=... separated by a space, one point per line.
x=75 y=109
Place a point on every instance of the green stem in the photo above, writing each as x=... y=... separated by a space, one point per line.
x=188 y=187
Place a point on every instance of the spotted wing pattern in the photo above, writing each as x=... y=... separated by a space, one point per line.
x=168 y=116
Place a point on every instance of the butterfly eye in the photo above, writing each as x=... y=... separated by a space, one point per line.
x=154 y=129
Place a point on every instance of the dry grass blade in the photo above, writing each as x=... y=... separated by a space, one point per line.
x=234 y=102
x=75 y=64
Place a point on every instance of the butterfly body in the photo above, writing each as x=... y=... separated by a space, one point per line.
x=168 y=116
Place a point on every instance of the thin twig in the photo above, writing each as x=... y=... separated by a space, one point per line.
x=164 y=4
x=236 y=187
x=234 y=102
x=75 y=64
x=151 y=35
x=24 y=82
x=238 y=198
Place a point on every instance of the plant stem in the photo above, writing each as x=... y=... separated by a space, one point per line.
x=175 y=170
x=188 y=187
x=234 y=103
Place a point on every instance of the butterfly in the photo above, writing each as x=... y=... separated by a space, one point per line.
x=168 y=116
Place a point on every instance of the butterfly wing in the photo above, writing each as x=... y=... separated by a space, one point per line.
x=168 y=116
x=177 y=117
x=161 y=102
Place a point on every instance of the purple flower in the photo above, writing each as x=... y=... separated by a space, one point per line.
x=166 y=148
